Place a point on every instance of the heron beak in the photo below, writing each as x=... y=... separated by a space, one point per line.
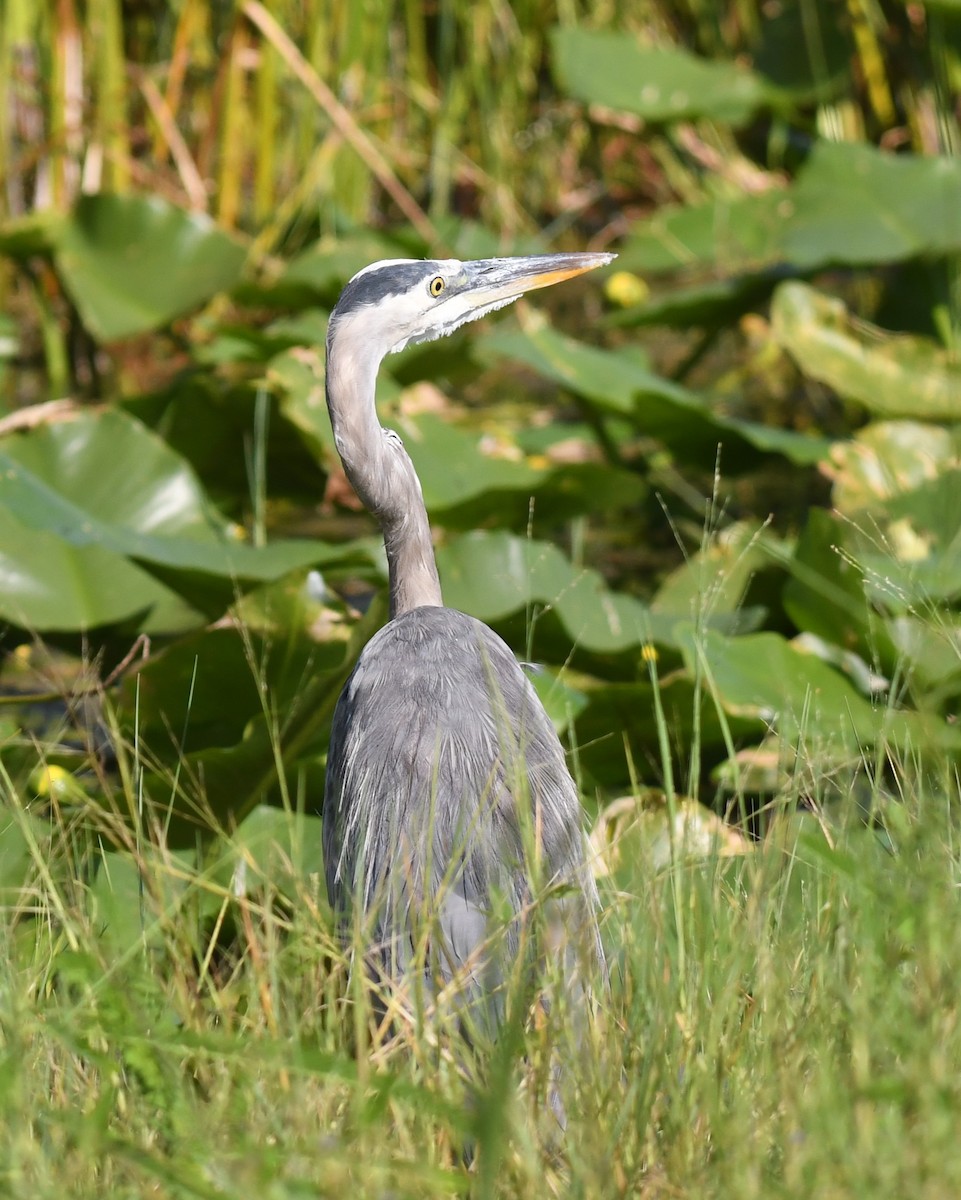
x=495 y=281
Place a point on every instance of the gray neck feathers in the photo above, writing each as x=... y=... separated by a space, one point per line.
x=382 y=475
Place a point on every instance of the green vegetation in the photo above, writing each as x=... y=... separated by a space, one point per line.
x=717 y=494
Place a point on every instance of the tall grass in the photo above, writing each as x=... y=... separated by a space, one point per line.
x=211 y=104
x=265 y=115
x=780 y=1023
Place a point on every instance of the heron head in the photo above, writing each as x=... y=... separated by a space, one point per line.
x=399 y=302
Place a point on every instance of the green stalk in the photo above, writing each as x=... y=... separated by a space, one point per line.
x=232 y=140
x=670 y=795
x=267 y=112
x=106 y=23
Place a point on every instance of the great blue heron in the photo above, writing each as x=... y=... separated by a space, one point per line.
x=448 y=801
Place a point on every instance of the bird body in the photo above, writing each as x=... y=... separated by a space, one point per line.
x=448 y=807
x=442 y=775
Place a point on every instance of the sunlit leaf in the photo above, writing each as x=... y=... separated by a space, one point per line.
x=766 y=677
x=617 y=382
x=272 y=849
x=133 y=263
x=826 y=594
x=889 y=457
x=103 y=481
x=735 y=234
x=890 y=376
x=47 y=583
x=850 y=204
x=661 y=83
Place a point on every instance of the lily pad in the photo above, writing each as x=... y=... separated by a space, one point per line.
x=887 y=458
x=891 y=376
x=494 y=576
x=617 y=382
x=134 y=263
x=48 y=584
x=104 y=481
x=781 y=686
x=659 y=83
x=850 y=205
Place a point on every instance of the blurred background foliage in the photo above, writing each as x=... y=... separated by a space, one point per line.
x=717 y=492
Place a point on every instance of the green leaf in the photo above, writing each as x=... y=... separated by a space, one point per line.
x=103 y=482
x=826 y=594
x=618 y=383
x=764 y=677
x=134 y=263
x=297 y=685
x=657 y=83
x=272 y=848
x=890 y=376
x=326 y=266
x=495 y=575
x=886 y=458
x=711 y=584
x=22 y=835
x=851 y=204
x=48 y=584
x=856 y=205
x=733 y=233
x=440 y=452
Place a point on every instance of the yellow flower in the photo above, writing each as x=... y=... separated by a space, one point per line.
x=626 y=289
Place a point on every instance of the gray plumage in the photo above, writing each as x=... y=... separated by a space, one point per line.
x=448 y=804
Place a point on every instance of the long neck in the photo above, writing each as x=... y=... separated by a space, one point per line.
x=382 y=475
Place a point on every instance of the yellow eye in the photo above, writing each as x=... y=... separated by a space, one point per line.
x=436 y=285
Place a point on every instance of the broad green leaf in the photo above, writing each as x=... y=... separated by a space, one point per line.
x=470 y=480
x=850 y=204
x=274 y=849
x=618 y=383
x=121 y=906
x=657 y=83
x=826 y=594
x=22 y=837
x=733 y=233
x=712 y=583
x=930 y=645
x=326 y=266
x=910 y=549
x=49 y=584
x=889 y=457
x=562 y=701
x=890 y=376
x=854 y=204
x=764 y=677
x=495 y=575
x=103 y=480
x=133 y=263
x=453 y=467
x=214 y=788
